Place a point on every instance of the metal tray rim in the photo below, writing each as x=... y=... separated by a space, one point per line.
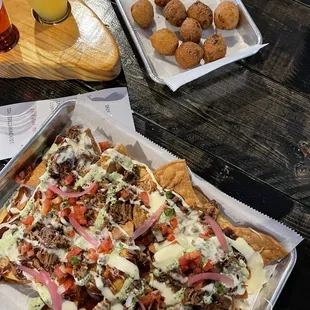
x=145 y=59
x=292 y=257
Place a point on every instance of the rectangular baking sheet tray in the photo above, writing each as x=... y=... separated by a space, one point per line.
x=245 y=35
x=55 y=125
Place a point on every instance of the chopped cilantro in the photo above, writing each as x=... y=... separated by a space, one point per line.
x=74 y=260
x=169 y=212
x=220 y=288
x=169 y=195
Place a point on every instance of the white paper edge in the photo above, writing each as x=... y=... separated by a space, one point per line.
x=183 y=78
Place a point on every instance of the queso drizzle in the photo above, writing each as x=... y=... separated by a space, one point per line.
x=105 y=263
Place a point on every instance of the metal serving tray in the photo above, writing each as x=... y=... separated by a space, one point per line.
x=44 y=138
x=247 y=31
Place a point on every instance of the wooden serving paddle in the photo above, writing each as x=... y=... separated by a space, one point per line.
x=81 y=47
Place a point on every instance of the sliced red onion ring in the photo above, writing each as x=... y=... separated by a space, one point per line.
x=210 y=276
x=218 y=232
x=58 y=191
x=148 y=223
x=141 y=305
x=83 y=233
x=34 y=273
x=52 y=289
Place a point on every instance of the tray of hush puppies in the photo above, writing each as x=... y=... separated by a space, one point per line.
x=179 y=41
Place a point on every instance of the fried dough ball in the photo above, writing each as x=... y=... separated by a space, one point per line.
x=143 y=14
x=165 y=42
x=191 y=31
x=161 y=2
x=188 y=55
x=214 y=48
x=202 y=13
x=175 y=12
x=226 y=16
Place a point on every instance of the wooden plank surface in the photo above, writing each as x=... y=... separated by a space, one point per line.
x=245 y=128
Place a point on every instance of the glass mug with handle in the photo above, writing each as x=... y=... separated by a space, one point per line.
x=9 y=34
x=50 y=11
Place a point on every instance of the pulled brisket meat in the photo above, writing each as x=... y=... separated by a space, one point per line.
x=52 y=238
x=73 y=132
x=193 y=297
x=121 y=212
x=220 y=302
x=47 y=260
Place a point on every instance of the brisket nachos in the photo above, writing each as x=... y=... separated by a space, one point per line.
x=90 y=227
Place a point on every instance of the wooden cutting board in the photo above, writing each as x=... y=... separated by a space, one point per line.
x=81 y=47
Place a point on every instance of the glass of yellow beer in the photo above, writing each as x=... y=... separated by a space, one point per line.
x=50 y=11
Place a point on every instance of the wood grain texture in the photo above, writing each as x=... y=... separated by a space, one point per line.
x=285 y=25
x=80 y=47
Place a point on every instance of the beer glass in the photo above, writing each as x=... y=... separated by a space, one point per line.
x=50 y=11
x=9 y=34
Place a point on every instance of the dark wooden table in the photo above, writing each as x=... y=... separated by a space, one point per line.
x=245 y=127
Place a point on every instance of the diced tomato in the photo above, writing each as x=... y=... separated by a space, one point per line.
x=65 y=212
x=170 y=237
x=78 y=214
x=46 y=207
x=49 y=194
x=174 y=223
x=104 y=145
x=105 y=246
x=57 y=200
x=93 y=254
x=68 y=283
x=198 y=285
x=94 y=189
x=27 y=229
x=145 y=199
x=74 y=252
x=164 y=229
x=24 y=248
x=30 y=253
x=191 y=261
x=28 y=220
x=71 y=234
x=72 y=201
x=206 y=235
x=59 y=273
x=208 y=266
x=153 y=299
x=68 y=179
x=124 y=193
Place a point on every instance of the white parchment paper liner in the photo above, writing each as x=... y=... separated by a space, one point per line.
x=154 y=156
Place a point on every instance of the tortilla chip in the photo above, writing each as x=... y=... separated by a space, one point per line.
x=270 y=249
x=139 y=216
x=208 y=206
x=34 y=178
x=3 y=215
x=117 y=234
x=121 y=149
x=93 y=142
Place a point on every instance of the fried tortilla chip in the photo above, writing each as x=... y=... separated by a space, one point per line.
x=4 y=214
x=33 y=179
x=269 y=248
x=117 y=234
x=139 y=216
x=209 y=206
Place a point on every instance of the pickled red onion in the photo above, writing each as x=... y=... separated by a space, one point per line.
x=52 y=289
x=58 y=191
x=141 y=305
x=83 y=232
x=148 y=223
x=34 y=273
x=211 y=276
x=218 y=232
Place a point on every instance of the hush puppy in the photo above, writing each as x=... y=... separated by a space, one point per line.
x=175 y=12
x=143 y=14
x=191 y=31
x=165 y=42
x=226 y=16
x=188 y=55
x=161 y=2
x=214 y=48
x=202 y=13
